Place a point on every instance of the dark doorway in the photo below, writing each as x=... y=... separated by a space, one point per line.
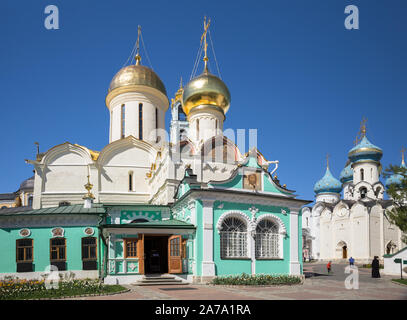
x=344 y=252
x=156 y=254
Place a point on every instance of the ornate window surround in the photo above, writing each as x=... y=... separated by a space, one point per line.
x=251 y=225
x=236 y=214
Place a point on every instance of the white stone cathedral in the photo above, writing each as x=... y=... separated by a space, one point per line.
x=355 y=225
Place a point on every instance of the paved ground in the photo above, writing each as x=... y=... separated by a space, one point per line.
x=317 y=285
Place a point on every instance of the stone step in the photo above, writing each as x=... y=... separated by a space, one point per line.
x=154 y=280
x=166 y=283
x=159 y=280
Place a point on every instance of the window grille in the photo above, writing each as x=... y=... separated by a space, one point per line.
x=267 y=240
x=233 y=238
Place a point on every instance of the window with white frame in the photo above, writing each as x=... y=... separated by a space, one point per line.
x=233 y=238
x=267 y=240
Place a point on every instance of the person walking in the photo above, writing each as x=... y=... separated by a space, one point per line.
x=375 y=267
x=328 y=266
x=351 y=261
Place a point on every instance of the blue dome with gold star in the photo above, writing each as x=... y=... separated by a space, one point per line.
x=328 y=184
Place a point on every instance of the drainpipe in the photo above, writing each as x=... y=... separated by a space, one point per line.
x=102 y=272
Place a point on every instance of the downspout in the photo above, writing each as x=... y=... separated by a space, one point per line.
x=102 y=271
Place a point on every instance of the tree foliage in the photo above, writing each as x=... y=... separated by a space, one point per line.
x=398 y=192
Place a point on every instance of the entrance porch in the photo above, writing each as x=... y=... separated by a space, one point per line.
x=139 y=249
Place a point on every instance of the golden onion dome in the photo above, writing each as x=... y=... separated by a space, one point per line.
x=134 y=75
x=206 y=89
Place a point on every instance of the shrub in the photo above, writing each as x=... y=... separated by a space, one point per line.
x=370 y=266
x=258 y=279
x=13 y=289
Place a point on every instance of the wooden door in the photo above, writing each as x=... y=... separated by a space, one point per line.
x=344 y=252
x=174 y=254
x=140 y=253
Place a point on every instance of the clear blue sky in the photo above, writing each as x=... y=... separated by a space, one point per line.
x=294 y=72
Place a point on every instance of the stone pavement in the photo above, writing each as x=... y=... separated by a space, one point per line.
x=318 y=285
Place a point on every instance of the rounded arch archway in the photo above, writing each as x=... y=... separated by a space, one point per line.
x=341 y=250
x=391 y=247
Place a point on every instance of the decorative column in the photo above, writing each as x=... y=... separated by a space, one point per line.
x=192 y=209
x=208 y=265
x=295 y=267
x=252 y=238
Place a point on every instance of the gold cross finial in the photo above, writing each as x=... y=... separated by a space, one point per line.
x=327 y=160
x=363 y=127
x=362 y=131
x=203 y=38
x=402 y=155
x=137 y=56
x=180 y=83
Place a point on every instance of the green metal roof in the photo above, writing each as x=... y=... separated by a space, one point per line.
x=172 y=223
x=97 y=208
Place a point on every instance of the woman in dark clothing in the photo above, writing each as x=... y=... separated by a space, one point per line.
x=375 y=268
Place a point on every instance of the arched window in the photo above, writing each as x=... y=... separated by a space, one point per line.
x=140 y=121
x=30 y=201
x=267 y=240
x=233 y=238
x=363 y=192
x=362 y=174
x=123 y=118
x=156 y=118
x=130 y=181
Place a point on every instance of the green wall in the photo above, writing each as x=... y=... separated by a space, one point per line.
x=238 y=266
x=41 y=237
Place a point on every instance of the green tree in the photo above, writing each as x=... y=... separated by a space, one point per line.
x=398 y=191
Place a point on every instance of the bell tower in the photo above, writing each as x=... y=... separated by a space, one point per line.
x=179 y=125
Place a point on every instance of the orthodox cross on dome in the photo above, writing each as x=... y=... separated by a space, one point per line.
x=137 y=57
x=402 y=155
x=327 y=160
x=362 y=131
x=206 y=27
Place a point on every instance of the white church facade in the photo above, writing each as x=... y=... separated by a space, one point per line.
x=353 y=225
